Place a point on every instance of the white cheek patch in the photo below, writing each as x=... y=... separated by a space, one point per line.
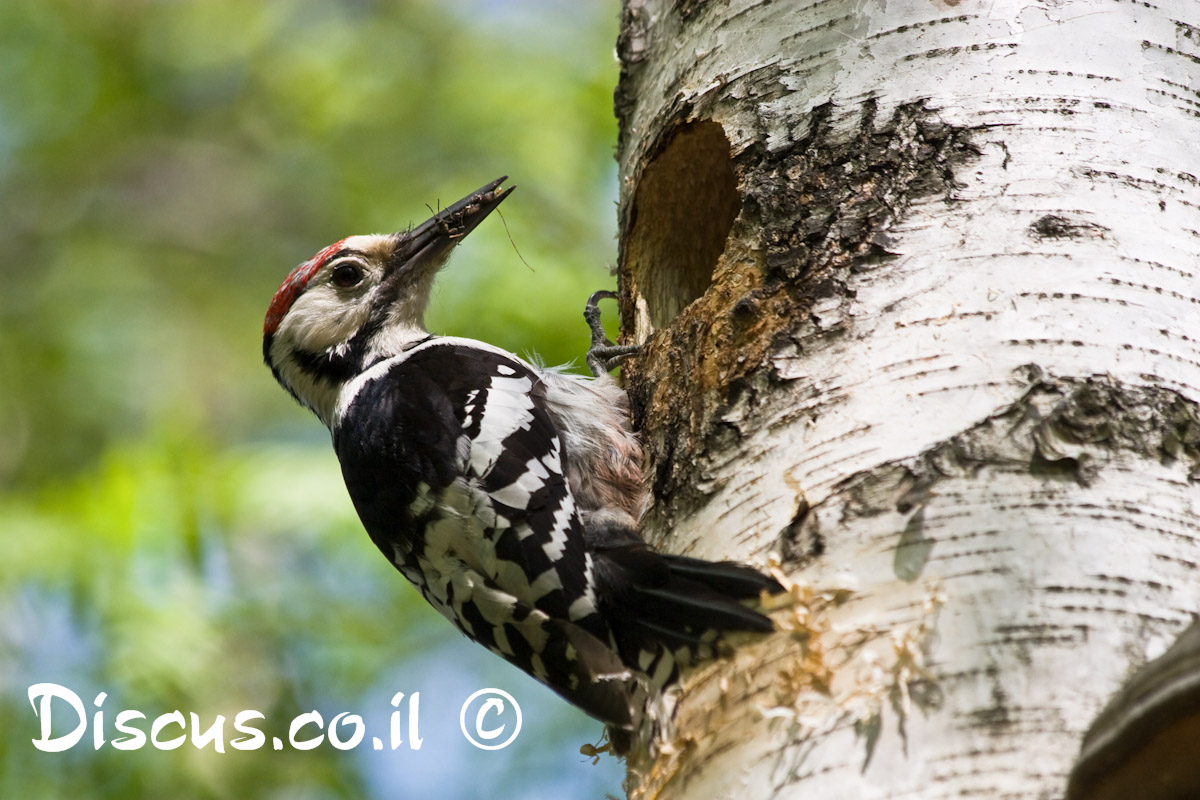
x=321 y=319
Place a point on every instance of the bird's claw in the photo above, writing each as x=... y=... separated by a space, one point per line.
x=603 y=355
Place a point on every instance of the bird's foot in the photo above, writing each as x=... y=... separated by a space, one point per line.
x=603 y=355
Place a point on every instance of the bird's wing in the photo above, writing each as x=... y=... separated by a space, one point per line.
x=451 y=457
x=455 y=468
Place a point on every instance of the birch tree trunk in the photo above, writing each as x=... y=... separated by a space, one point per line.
x=919 y=282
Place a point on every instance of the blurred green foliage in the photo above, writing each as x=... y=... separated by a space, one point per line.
x=173 y=530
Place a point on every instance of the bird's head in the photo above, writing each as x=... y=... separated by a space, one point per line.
x=361 y=300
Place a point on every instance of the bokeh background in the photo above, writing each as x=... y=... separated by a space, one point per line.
x=173 y=529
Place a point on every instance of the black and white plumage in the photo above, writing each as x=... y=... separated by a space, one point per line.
x=507 y=493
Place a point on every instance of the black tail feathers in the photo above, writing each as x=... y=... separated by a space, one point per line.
x=728 y=579
x=667 y=609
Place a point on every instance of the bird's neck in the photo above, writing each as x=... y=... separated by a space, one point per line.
x=317 y=379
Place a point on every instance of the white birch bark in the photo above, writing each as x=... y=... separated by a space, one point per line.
x=945 y=365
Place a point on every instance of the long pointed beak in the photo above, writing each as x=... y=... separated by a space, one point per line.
x=431 y=241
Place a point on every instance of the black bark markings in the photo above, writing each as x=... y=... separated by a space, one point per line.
x=1061 y=429
x=812 y=211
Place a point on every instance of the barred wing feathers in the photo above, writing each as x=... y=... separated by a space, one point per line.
x=493 y=541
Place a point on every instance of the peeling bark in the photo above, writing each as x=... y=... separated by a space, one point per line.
x=918 y=286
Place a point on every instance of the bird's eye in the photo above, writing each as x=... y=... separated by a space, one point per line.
x=347 y=274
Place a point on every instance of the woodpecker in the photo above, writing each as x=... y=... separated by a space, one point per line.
x=508 y=493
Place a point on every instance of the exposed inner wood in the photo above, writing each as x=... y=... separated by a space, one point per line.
x=685 y=205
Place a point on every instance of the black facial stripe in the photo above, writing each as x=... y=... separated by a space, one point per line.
x=269 y=340
x=332 y=367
